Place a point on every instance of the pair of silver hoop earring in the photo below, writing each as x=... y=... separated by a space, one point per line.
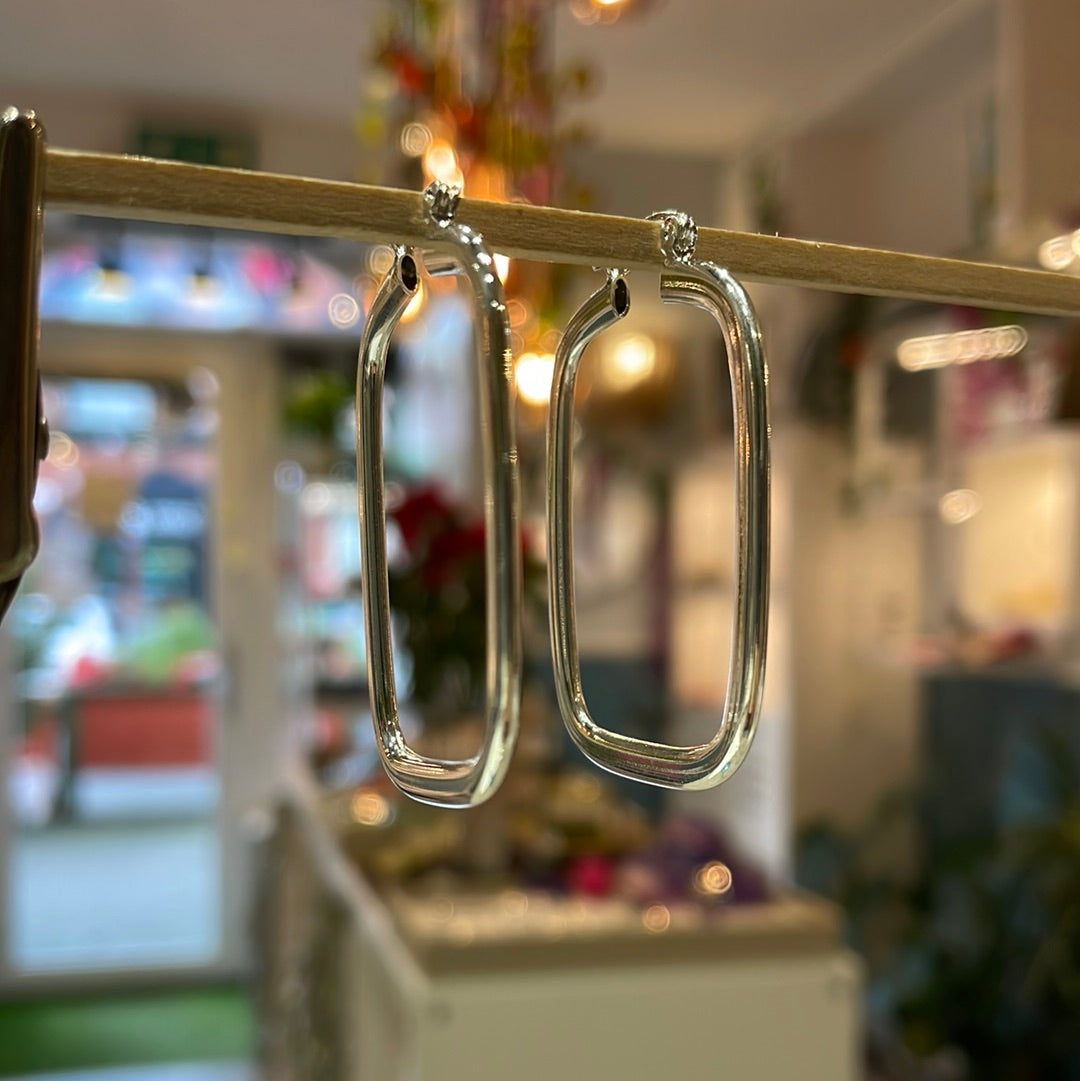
x=704 y=285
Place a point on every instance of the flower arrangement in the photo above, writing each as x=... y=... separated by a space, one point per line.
x=472 y=93
x=437 y=590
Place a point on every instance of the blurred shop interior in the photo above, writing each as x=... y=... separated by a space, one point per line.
x=204 y=873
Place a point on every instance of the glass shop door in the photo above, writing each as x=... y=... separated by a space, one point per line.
x=121 y=851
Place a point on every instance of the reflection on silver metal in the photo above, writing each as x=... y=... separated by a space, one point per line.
x=23 y=435
x=713 y=289
x=470 y=781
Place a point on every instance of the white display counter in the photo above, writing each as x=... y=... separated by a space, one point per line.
x=510 y=984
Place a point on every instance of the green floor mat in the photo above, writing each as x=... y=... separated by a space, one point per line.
x=164 y=1026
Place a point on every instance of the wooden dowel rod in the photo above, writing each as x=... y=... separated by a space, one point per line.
x=142 y=188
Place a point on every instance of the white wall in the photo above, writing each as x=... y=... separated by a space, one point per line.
x=856 y=584
x=105 y=123
x=901 y=181
x=1040 y=183
x=901 y=178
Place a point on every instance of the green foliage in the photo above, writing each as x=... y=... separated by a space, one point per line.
x=977 y=950
x=315 y=402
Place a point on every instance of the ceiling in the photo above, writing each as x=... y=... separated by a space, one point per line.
x=695 y=77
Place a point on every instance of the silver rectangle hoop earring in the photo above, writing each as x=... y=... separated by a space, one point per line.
x=711 y=288
x=24 y=436
x=465 y=782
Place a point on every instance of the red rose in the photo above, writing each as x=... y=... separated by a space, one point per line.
x=421 y=514
x=592 y=876
x=449 y=552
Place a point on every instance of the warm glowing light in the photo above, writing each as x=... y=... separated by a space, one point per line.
x=204 y=290
x=343 y=310
x=962 y=347
x=380 y=259
x=461 y=931
x=532 y=376
x=380 y=85
x=111 y=285
x=412 y=309
x=63 y=453
x=441 y=163
x=1058 y=252
x=415 y=139
x=631 y=361
x=586 y=788
x=713 y=880
x=488 y=182
x=518 y=312
x=549 y=340
x=594 y=11
x=515 y=903
x=656 y=918
x=959 y=505
x=502 y=265
x=370 y=809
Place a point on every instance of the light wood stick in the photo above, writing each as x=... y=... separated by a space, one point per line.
x=142 y=188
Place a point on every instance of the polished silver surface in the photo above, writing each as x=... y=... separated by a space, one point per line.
x=714 y=290
x=23 y=434
x=446 y=783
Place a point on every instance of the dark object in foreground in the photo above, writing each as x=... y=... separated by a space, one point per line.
x=23 y=434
